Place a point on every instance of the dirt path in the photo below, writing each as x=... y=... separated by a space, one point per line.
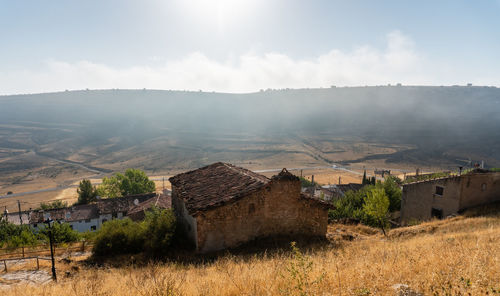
x=34 y=277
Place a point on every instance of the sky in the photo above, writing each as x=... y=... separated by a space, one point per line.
x=245 y=45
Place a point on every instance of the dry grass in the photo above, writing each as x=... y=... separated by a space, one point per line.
x=459 y=256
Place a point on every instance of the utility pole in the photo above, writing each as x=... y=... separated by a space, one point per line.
x=339 y=180
x=163 y=183
x=20 y=216
x=51 y=241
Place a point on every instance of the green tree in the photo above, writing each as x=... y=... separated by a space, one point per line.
x=133 y=181
x=365 y=181
x=110 y=187
x=377 y=206
x=393 y=190
x=86 y=192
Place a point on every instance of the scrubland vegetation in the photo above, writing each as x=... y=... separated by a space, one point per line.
x=14 y=236
x=458 y=256
x=152 y=236
x=371 y=205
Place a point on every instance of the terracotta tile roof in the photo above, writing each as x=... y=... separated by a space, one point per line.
x=215 y=185
x=161 y=201
x=121 y=204
x=351 y=186
x=91 y=211
x=69 y=214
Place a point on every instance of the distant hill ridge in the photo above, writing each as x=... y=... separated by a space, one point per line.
x=444 y=122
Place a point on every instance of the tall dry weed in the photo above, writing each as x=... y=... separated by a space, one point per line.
x=460 y=256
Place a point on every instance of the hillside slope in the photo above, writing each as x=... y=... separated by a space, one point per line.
x=458 y=256
x=155 y=129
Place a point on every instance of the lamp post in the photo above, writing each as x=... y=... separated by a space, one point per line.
x=49 y=222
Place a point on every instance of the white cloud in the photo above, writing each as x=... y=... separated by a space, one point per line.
x=365 y=65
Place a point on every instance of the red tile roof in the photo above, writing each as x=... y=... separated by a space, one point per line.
x=215 y=185
x=161 y=201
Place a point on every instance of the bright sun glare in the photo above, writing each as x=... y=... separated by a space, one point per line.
x=223 y=13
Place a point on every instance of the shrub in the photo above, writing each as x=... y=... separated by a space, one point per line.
x=57 y=204
x=153 y=235
x=352 y=204
x=62 y=233
x=14 y=236
x=159 y=226
x=119 y=237
x=299 y=271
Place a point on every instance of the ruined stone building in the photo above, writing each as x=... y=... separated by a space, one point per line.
x=222 y=206
x=450 y=195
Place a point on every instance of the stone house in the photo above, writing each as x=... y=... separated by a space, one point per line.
x=446 y=196
x=222 y=206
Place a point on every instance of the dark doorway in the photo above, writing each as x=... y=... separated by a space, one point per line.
x=437 y=213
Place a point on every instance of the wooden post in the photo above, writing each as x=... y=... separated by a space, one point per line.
x=37 y=263
x=5 y=265
x=83 y=246
x=23 y=250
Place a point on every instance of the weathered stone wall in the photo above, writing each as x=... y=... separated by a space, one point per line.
x=277 y=209
x=420 y=198
x=479 y=189
x=185 y=222
x=459 y=193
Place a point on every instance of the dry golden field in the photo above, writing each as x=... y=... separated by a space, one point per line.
x=458 y=256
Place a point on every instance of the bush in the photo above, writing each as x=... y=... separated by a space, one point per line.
x=57 y=204
x=62 y=233
x=14 y=236
x=351 y=205
x=119 y=237
x=159 y=226
x=153 y=235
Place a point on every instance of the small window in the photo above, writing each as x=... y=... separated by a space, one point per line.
x=483 y=187
x=251 y=208
x=437 y=213
x=93 y=228
x=439 y=190
x=87 y=220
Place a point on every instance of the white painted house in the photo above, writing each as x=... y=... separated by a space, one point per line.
x=91 y=217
